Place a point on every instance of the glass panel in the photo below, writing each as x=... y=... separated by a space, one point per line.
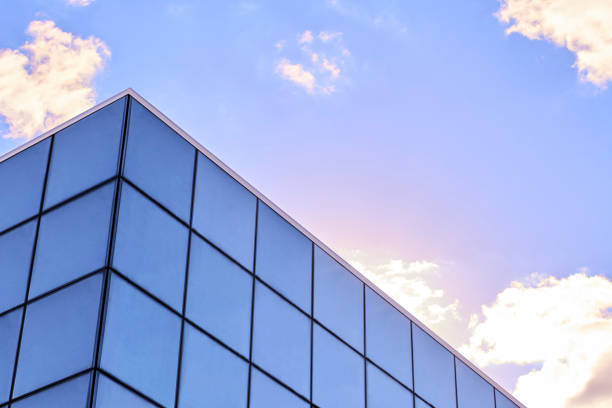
x=219 y=296
x=211 y=376
x=23 y=175
x=72 y=241
x=67 y=322
x=109 y=394
x=385 y=392
x=284 y=257
x=141 y=342
x=9 y=329
x=224 y=212
x=15 y=258
x=502 y=401
x=281 y=340
x=151 y=247
x=159 y=161
x=419 y=403
x=472 y=390
x=434 y=370
x=388 y=337
x=85 y=153
x=338 y=377
x=338 y=299
x=69 y=394
x=266 y=393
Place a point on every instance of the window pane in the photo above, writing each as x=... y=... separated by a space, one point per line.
x=224 y=212
x=72 y=241
x=284 y=257
x=211 y=376
x=266 y=393
x=281 y=340
x=23 y=175
x=338 y=377
x=141 y=342
x=502 y=401
x=338 y=297
x=151 y=247
x=15 y=258
x=421 y=404
x=385 y=392
x=69 y=394
x=219 y=296
x=472 y=390
x=67 y=322
x=85 y=153
x=109 y=394
x=434 y=370
x=159 y=161
x=9 y=329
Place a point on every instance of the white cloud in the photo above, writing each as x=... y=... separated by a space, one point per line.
x=326 y=36
x=306 y=37
x=49 y=79
x=81 y=3
x=296 y=74
x=582 y=26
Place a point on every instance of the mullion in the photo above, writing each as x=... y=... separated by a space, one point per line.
x=50 y=385
x=250 y=373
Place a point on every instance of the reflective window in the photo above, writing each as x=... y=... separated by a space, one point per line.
x=501 y=401
x=159 y=161
x=434 y=370
x=72 y=241
x=141 y=342
x=23 y=175
x=85 y=153
x=472 y=390
x=109 y=394
x=419 y=403
x=388 y=337
x=385 y=392
x=281 y=340
x=15 y=257
x=338 y=299
x=69 y=394
x=284 y=257
x=219 y=296
x=266 y=393
x=224 y=212
x=211 y=376
x=67 y=322
x=338 y=377
x=9 y=327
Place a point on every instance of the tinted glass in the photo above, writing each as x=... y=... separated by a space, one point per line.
x=388 y=337
x=472 y=390
x=159 y=161
x=141 y=342
x=284 y=257
x=67 y=321
x=211 y=376
x=224 y=212
x=72 y=241
x=22 y=175
x=419 y=403
x=281 y=340
x=501 y=401
x=219 y=296
x=338 y=299
x=69 y=394
x=434 y=370
x=15 y=258
x=338 y=373
x=109 y=394
x=9 y=327
x=85 y=153
x=385 y=392
x=151 y=247
x=266 y=393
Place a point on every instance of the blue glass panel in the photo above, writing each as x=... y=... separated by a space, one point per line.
x=151 y=247
x=219 y=296
x=22 y=175
x=69 y=394
x=419 y=403
x=385 y=392
x=434 y=370
x=224 y=212
x=109 y=394
x=9 y=327
x=159 y=161
x=85 y=153
x=211 y=376
x=72 y=241
x=388 y=337
x=67 y=322
x=502 y=401
x=338 y=299
x=15 y=258
x=141 y=342
x=284 y=257
x=472 y=390
x=338 y=374
x=266 y=393
x=281 y=340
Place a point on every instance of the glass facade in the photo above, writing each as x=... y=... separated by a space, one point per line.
x=136 y=272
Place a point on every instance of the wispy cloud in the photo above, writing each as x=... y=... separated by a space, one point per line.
x=296 y=74
x=49 y=79
x=81 y=3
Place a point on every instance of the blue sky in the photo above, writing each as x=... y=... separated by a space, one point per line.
x=421 y=140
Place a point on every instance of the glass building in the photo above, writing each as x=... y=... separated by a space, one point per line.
x=137 y=270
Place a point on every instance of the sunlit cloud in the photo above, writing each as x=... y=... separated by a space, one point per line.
x=80 y=2
x=296 y=74
x=306 y=37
